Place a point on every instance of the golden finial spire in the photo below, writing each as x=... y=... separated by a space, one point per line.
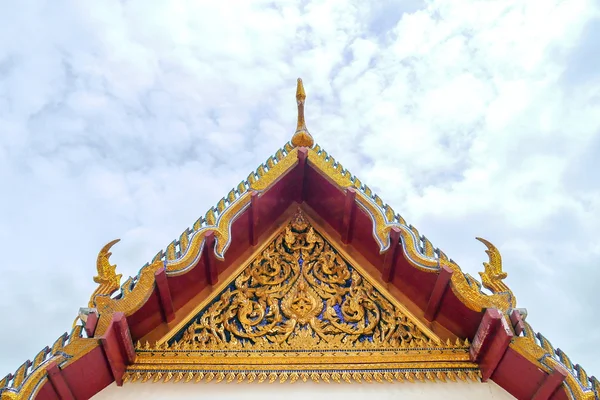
x=301 y=138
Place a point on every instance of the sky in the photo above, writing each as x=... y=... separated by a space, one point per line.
x=129 y=119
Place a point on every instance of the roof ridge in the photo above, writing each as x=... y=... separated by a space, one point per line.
x=177 y=248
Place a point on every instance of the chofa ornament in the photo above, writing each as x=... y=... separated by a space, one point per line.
x=107 y=279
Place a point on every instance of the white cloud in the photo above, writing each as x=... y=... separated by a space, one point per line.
x=130 y=119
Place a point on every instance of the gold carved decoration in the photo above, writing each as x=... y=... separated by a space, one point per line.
x=367 y=376
x=417 y=249
x=275 y=171
x=302 y=138
x=26 y=381
x=221 y=226
x=220 y=219
x=107 y=277
x=493 y=274
x=327 y=165
x=181 y=254
x=133 y=295
x=301 y=289
x=299 y=309
x=468 y=289
x=538 y=350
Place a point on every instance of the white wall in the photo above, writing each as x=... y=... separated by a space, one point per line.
x=305 y=391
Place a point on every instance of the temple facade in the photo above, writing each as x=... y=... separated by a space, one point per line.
x=301 y=275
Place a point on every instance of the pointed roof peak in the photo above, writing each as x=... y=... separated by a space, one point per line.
x=300 y=93
x=302 y=138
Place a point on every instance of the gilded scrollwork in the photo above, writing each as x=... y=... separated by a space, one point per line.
x=300 y=288
x=465 y=373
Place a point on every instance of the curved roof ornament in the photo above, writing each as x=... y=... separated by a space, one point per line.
x=107 y=276
x=493 y=275
x=302 y=138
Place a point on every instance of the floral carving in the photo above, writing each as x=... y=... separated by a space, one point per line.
x=300 y=289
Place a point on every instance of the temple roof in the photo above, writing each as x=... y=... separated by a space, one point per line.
x=302 y=174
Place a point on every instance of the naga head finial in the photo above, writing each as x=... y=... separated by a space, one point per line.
x=106 y=272
x=107 y=277
x=302 y=137
x=493 y=275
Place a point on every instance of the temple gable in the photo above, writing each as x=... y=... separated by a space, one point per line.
x=300 y=310
x=301 y=273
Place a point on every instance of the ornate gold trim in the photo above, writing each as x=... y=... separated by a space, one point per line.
x=222 y=231
x=416 y=355
x=464 y=373
x=540 y=352
x=107 y=277
x=227 y=214
x=374 y=282
x=464 y=286
x=274 y=171
x=30 y=376
x=182 y=253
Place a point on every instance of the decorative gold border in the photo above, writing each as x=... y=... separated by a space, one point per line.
x=426 y=356
x=228 y=210
x=540 y=352
x=222 y=231
x=28 y=379
x=463 y=373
